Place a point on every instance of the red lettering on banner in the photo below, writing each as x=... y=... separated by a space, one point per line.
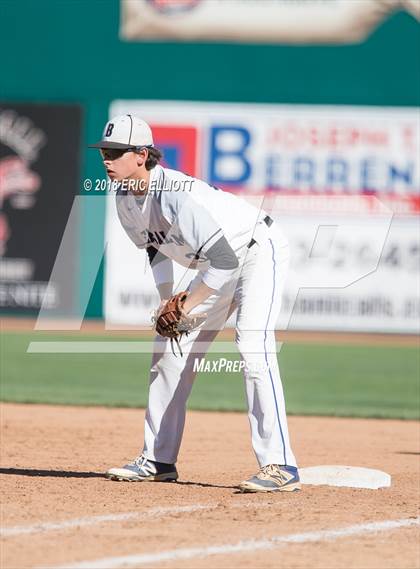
x=293 y=136
x=408 y=137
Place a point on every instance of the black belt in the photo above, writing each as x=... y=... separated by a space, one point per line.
x=268 y=221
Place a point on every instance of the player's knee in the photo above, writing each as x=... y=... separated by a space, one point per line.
x=250 y=343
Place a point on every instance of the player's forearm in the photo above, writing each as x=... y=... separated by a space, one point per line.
x=165 y=290
x=163 y=273
x=198 y=296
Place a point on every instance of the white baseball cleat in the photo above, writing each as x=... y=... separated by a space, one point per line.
x=141 y=469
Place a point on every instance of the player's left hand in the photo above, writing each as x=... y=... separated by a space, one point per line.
x=172 y=321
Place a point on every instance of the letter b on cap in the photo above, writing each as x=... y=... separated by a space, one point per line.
x=109 y=129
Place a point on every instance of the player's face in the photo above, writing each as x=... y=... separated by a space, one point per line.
x=119 y=164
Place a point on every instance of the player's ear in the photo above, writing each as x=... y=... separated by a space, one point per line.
x=142 y=156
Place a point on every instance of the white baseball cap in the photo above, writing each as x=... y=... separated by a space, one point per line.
x=125 y=132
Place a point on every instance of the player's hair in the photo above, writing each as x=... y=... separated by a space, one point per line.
x=154 y=157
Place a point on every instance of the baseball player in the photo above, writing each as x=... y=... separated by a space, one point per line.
x=241 y=259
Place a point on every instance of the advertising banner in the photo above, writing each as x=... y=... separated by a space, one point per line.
x=342 y=183
x=291 y=149
x=260 y=21
x=379 y=259
x=39 y=177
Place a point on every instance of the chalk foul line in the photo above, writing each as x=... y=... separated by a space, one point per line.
x=96 y=520
x=151 y=513
x=158 y=512
x=243 y=546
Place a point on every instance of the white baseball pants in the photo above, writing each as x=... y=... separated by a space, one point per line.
x=256 y=294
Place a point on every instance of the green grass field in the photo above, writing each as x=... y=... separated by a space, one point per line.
x=360 y=381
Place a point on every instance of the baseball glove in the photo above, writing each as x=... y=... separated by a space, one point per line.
x=171 y=321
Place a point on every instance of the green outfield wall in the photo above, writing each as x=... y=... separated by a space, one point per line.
x=69 y=51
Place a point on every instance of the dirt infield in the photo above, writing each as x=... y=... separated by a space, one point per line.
x=52 y=464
